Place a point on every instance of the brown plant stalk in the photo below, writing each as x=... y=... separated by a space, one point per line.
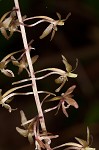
x=34 y=86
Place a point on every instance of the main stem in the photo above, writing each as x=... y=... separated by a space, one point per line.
x=34 y=86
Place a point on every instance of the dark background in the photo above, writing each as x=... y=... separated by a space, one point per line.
x=78 y=38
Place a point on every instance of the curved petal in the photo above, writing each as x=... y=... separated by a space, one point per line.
x=4 y=33
x=70 y=90
x=46 y=31
x=22 y=131
x=71 y=102
x=82 y=142
x=4 y=16
x=30 y=138
x=7 y=107
x=58 y=15
x=7 y=72
x=67 y=65
x=53 y=33
x=23 y=118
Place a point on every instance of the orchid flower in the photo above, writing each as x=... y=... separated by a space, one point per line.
x=64 y=98
x=51 y=27
x=28 y=128
x=5 y=61
x=8 y=22
x=22 y=63
x=63 y=74
x=81 y=145
x=31 y=131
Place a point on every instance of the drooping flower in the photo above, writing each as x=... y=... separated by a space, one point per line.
x=4 y=62
x=51 y=27
x=22 y=63
x=65 y=101
x=63 y=74
x=32 y=132
x=69 y=70
x=6 y=23
x=10 y=23
x=28 y=128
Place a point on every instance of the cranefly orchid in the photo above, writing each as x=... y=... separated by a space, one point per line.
x=9 y=22
x=32 y=132
x=22 y=63
x=65 y=101
x=4 y=62
x=63 y=74
x=51 y=27
x=35 y=129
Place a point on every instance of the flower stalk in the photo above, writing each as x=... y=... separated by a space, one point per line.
x=34 y=86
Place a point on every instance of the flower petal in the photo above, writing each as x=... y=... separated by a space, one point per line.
x=22 y=131
x=67 y=65
x=82 y=142
x=69 y=90
x=46 y=31
x=58 y=15
x=23 y=117
x=64 y=110
x=30 y=138
x=4 y=33
x=71 y=75
x=7 y=72
x=7 y=107
x=4 y=16
x=34 y=59
x=71 y=102
x=53 y=33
